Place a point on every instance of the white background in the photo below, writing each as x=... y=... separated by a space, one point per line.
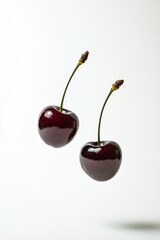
x=44 y=193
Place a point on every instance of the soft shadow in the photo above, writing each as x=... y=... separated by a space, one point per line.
x=145 y=226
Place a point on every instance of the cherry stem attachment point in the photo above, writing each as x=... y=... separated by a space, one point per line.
x=82 y=60
x=115 y=86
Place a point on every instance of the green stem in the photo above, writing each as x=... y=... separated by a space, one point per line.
x=114 y=87
x=100 y=118
x=61 y=106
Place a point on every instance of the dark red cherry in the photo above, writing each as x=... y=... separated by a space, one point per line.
x=101 y=161
x=57 y=128
x=56 y=125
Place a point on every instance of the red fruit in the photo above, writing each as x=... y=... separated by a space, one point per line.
x=101 y=162
x=57 y=128
x=102 y=159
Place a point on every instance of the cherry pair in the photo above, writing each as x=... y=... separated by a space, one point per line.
x=57 y=126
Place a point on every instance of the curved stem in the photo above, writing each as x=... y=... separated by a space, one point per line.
x=100 y=118
x=114 y=87
x=61 y=106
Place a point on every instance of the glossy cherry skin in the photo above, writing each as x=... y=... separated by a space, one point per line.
x=101 y=162
x=57 y=128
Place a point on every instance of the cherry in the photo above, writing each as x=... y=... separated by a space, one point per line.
x=101 y=160
x=56 y=125
x=57 y=128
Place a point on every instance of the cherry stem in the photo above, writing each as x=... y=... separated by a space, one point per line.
x=82 y=60
x=115 y=86
x=100 y=118
x=61 y=106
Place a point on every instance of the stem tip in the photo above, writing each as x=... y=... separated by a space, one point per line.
x=117 y=84
x=84 y=57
